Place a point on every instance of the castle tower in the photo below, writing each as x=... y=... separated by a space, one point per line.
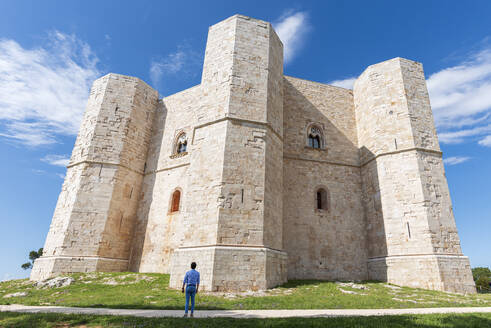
x=412 y=237
x=235 y=221
x=93 y=221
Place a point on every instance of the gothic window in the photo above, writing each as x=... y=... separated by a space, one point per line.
x=314 y=141
x=176 y=199
x=315 y=138
x=180 y=147
x=181 y=144
x=321 y=199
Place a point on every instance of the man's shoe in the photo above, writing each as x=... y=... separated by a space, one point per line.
x=192 y=316
x=185 y=315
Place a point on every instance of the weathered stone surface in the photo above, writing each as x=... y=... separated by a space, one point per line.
x=412 y=237
x=18 y=294
x=55 y=282
x=248 y=181
x=93 y=222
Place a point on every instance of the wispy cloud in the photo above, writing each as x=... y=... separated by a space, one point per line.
x=7 y=276
x=461 y=98
x=486 y=141
x=182 y=63
x=459 y=136
x=456 y=160
x=56 y=160
x=292 y=28
x=346 y=83
x=44 y=90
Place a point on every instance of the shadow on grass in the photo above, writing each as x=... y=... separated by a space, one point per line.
x=301 y=283
x=24 y=320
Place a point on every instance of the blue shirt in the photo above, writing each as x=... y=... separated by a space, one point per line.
x=191 y=277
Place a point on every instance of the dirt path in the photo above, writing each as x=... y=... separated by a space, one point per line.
x=239 y=313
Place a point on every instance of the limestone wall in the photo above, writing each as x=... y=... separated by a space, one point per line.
x=330 y=107
x=230 y=166
x=158 y=230
x=93 y=222
x=405 y=194
x=322 y=244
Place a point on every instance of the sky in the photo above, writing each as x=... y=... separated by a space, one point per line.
x=52 y=51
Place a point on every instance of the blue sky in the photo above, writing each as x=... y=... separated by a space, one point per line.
x=51 y=51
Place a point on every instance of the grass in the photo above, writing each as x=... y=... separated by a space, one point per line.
x=150 y=291
x=24 y=320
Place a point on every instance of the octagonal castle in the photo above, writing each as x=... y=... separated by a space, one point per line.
x=259 y=177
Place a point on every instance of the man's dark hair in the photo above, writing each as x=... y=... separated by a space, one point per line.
x=193 y=265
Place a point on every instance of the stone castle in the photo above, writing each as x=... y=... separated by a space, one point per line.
x=259 y=177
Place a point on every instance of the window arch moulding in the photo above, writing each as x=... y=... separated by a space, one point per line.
x=180 y=145
x=315 y=137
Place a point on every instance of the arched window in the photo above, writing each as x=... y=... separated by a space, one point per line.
x=180 y=147
x=176 y=199
x=321 y=199
x=181 y=144
x=315 y=137
x=314 y=141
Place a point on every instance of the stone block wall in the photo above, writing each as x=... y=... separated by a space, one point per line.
x=438 y=272
x=322 y=244
x=158 y=231
x=234 y=268
x=93 y=222
x=405 y=194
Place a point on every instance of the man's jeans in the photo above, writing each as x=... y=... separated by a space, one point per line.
x=190 y=292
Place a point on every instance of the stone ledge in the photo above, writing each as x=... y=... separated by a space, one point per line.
x=50 y=266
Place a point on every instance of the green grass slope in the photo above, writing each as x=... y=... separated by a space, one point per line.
x=24 y=320
x=150 y=291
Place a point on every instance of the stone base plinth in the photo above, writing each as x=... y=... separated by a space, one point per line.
x=450 y=273
x=48 y=267
x=231 y=268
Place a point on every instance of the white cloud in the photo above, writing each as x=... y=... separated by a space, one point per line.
x=346 y=83
x=172 y=64
x=180 y=64
x=57 y=160
x=459 y=136
x=461 y=98
x=486 y=141
x=456 y=160
x=44 y=90
x=7 y=276
x=291 y=29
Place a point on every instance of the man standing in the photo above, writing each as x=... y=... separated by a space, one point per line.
x=191 y=279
